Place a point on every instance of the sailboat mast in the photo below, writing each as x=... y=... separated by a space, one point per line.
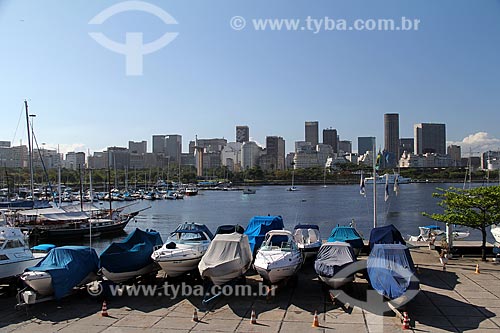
x=30 y=152
x=374 y=187
x=91 y=205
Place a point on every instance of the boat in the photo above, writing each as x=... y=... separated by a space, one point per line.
x=332 y=258
x=130 y=258
x=248 y=190
x=387 y=234
x=227 y=258
x=259 y=226
x=349 y=235
x=61 y=270
x=191 y=191
x=391 y=179
x=15 y=256
x=184 y=249
x=391 y=272
x=171 y=195
x=279 y=257
x=427 y=233
x=495 y=231
x=308 y=239
x=229 y=229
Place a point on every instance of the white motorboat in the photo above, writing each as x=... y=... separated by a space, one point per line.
x=308 y=239
x=15 y=255
x=227 y=258
x=279 y=257
x=427 y=233
x=332 y=258
x=495 y=231
x=191 y=191
x=184 y=249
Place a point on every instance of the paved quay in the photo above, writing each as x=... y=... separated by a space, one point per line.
x=455 y=300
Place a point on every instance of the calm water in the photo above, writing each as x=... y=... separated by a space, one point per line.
x=327 y=207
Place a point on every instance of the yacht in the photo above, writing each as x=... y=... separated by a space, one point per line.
x=279 y=256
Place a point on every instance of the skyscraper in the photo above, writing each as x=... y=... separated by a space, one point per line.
x=406 y=145
x=311 y=132
x=430 y=138
x=330 y=138
x=391 y=133
x=173 y=147
x=275 y=151
x=242 y=134
x=365 y=143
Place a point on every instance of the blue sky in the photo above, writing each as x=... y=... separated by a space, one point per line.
x=212 y=78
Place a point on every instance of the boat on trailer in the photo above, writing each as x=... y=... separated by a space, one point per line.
x=332 y=258
x=308 y=239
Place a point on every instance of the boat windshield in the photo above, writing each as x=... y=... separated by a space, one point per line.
x=278 y=242
x=2 y=242
x=187 y=236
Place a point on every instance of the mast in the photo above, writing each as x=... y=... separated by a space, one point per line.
x=374 y=162
x=91 y=205
x=30 y=152
x=109 y=193
x=81 y=186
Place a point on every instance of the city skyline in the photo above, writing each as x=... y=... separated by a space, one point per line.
x=212 y=78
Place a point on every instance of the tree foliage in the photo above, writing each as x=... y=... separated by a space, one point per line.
x=476 y=208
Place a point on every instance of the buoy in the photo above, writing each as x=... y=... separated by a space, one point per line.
x=477 y=269
x=406 y=321
x=253 y=318
x=195 y=316
x=315 y=320
x=104 y=310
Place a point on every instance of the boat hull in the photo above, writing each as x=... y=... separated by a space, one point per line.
x=277 y=274
x=79 y=233
x=126 y=276
x=177 y=267
x=41 y=282
x=12 y=269
x=336 y=282
x=225 y=272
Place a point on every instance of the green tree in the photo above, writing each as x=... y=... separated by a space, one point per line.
x=477 y=208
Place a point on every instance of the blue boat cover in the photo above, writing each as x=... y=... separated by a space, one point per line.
x=432 y=227
x=306 y=226
x=259 y=226
x=68 y=266
x=332 y=257
x=390 y=269
x=43 y=247
x=386 y=235
x=348 y=235
x=131 y=254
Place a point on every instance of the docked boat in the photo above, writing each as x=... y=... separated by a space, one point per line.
x=191 y=191
x=349 y=235
x=248 y=190
x=130 y=258
x=332 y=258
x=390 y=179
x=184 y=249
x=15 y=255
x=259 y=226
x=427 y=233
x=308 y=239
x=61 y=270
x=391 y=272
x=228 y=257
x=279 y=257
x=495 y=231
x=387 y=234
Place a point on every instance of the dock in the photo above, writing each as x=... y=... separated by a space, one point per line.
x=456 y=299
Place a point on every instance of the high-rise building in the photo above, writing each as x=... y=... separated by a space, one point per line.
x=138 y=147
x=330 y=138
x=158 y=144
x=74 y=160
x=430 y=138
x=311 y=132
x=250 y=154
x=455 y=153
x=173 y=147
x=391 y=133
x=365 y=143
x=406 y=145
x=118 y=158
x=242 y=134
x=345 y=146
x=275 y=153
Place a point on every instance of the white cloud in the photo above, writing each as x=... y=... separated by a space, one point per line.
x=478 y=142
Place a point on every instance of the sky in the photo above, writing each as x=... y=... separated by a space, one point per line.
x=212 y=77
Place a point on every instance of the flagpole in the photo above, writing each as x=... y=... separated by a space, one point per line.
x=374 y=188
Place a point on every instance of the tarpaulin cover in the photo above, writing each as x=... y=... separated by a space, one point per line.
x=259 y=226
x=390 y=268
x=332 y=257
x=386 y=235
x=229 y=229
x=348 y=235
x=131 y=254
x=68 y=266
x=228 y=251
x=306 y=226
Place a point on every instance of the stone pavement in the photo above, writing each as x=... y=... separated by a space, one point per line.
x=455 y=300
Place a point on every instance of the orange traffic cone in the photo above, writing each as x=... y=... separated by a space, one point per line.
x=104 y=310
x=253 y=318
x=195 y=316
x=477 y=269
x=315 y=320
x=406 y=321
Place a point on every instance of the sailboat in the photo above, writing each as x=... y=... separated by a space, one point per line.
x=293 y=188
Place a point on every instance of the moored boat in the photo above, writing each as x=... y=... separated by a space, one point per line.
x=279 y=257
x=332 y=258
x=308 y=239
x=349 y=235
x=259 y=226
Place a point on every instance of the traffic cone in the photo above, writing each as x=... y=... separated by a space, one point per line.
x=253 y=318
x=477 y=269
x=104 y=310
x=406 y=321
x=315 y=320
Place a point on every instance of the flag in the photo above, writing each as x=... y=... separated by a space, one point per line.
x=377 y=162
x=362 y=190
x=386 y=197
x=396 y=184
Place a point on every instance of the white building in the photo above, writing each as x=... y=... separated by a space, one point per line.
x=231 y=156
x=250 y=154
x=425 y=161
